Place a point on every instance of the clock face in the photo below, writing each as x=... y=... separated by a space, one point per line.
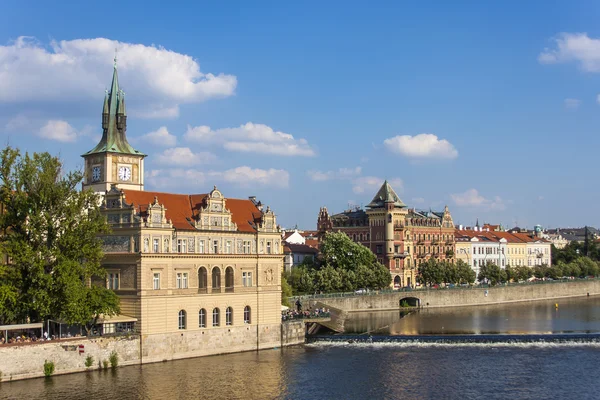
x=95 y=174
x=124 y=173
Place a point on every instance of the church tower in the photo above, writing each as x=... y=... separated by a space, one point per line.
x=113 y=160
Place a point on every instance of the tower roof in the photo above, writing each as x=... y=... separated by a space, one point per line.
x=386 y=195
x=114 y=124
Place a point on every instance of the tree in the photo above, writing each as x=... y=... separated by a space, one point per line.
x=493 y=273
x=465 y=272
x=50 y=235
x=286 y=291
x=339 y=251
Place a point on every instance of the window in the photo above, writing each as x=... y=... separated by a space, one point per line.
x=228 y=247
x=181 y=245
x=229 y=316
x=268 y=247
x=156 y=281
x=215 y=246
x=216 y=278
x=379 y=249
x=202 y=318
x=229 y=278
x=113 y=281
x=155 y=244
x=202 y=281
x=182 y=319
x=182 y=280
x=216 y=317
x=246 y=247
x=247 y=279
x=247 y=315
x=201 y=246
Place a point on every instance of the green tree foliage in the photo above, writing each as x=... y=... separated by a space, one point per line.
x=50 y=237
x=492 y=273
x=342 y=267
x=286 y=291
x=434 y=272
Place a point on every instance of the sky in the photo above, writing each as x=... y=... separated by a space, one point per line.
x=491 y=108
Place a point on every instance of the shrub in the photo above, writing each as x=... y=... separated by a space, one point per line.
x=89 y=361
x=48 y=368
x=105 y=364
x=114 y=359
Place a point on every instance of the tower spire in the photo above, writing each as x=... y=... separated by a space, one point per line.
x=114 y=120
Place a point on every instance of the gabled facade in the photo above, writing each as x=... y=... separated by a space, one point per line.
x=401 y=238
x=199 y=274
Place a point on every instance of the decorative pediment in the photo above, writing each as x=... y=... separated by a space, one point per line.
x=268 y=222
x=214 y=215
x=157 y=215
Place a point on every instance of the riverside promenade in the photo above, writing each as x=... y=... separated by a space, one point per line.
x=454 y=297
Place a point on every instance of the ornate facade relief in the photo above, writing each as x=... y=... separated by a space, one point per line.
x=116 y=244
x=215 y=215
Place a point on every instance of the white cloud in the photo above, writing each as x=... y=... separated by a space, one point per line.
x=183 y=156
x=572 y=104
x=472 y=198
x=157 y=111
x=250 y=137
x=243 y=176
x=246 y=176
x=370 y=184
x=573 y=47
x=341 y=173
x=423 y=145
x=58 y=130
x=160 y=137
x=80 y=69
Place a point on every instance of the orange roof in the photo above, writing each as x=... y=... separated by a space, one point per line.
x=183 y=209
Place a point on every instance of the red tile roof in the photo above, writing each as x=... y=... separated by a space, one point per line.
x=183 y=209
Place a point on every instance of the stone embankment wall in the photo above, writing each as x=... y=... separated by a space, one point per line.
x=27 y=361
x=464 y=297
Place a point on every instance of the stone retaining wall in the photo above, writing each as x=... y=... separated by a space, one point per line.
x=27 y=361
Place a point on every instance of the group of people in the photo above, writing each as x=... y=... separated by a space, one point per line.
x=298 y=313
x=30 y=338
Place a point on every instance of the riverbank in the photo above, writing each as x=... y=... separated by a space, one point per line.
x=69 y=356
x=459 y=297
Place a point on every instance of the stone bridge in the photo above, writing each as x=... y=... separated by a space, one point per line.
x=457 y=297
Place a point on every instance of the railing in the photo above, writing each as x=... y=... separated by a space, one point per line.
x=422 y=288
x=216 y=290
x=296 y=315
x=229 y=289
x=202 y=290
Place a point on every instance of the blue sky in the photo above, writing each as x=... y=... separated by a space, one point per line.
x=490 y=108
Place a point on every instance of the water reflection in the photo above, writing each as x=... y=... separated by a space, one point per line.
x=578 y=315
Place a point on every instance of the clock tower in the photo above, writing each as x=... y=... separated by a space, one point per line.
x=113 y=160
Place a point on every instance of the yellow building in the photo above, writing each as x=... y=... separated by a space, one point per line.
x=198 y=274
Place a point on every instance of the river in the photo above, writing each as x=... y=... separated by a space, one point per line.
x=517 y=351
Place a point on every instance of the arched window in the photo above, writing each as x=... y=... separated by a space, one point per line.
x=202 y=318
x=229 y=279
x=182 y=319
x=247 y=315
x=202 y=280
x=216 y=279
x=229 y=316
x=216 y=316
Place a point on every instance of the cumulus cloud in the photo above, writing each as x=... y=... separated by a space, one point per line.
x=472 y=198
x=159 y=137
x=243 y=176
x=251 y=138
x=58 y=130
x=184 y=156
x=370 y=184
x=572 y=104
x=156 y=79
x=341 y=173
x=423 y=145
x=573 y=47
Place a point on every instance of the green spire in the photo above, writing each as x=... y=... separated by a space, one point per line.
x=114 y=122
x=386 y=195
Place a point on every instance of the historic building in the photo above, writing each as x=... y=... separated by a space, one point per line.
x=198 y=273
x=400 y=237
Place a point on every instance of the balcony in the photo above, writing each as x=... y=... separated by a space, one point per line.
x=401 y=255
x=216 y=290
x=229 y=289
x=202 y=290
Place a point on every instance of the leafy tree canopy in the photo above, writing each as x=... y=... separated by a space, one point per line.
x=50 y=243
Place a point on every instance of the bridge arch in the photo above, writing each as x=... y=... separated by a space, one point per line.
x=410 y=302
